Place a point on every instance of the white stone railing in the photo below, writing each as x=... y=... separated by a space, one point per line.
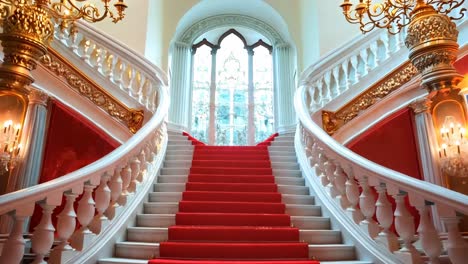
x=345 y=183
x=130 y=71
x=107 y=192
x=340 y=70
x=357 y=64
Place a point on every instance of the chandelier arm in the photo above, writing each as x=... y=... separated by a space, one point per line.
x=88 y=12
x=444 y=7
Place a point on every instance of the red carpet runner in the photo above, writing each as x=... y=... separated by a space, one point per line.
x=231 y=212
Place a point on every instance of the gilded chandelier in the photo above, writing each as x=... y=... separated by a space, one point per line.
x=28 y=27
x=393 y=15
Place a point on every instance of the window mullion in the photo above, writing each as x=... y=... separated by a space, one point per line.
x=212 y=126
x=251 y=103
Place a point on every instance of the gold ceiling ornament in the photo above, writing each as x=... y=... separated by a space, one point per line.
x=132 y=118
x=332 y=121
x=28 y=27
x=431 y=37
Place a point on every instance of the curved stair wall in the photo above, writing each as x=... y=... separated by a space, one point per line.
x=108 y=192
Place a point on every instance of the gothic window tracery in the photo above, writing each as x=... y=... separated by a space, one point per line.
x=241 y=77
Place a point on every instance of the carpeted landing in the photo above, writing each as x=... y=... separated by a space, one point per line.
x=231 y=212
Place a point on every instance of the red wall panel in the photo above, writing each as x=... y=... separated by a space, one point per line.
x=72 y=142
x=391 y=143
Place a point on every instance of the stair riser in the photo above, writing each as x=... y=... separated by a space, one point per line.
x=148 y=220
x=320 y=236
x=172 y=208
x=311 y=223
x=180 y=187
x=332 y=252
x=136 y=251
x=147 y=235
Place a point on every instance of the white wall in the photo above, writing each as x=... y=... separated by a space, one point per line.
x=316 y=27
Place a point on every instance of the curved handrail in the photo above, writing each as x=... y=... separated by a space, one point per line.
x=349 y=177
x=456 y=200
x=10 y=201
x=120 y=179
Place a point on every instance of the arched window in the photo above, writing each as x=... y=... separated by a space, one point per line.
x=232 y=91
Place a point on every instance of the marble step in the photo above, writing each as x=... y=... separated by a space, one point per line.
x=177 y=196
x=275 y=153
x=281 y=148
x=173 y=207
x=158 y=234
x=142 y=250
x=180 y=187
x=188 y=163
x=141 y=261
x=180 y=147
x=178 y=142
x=297 y=181
x=171 y=152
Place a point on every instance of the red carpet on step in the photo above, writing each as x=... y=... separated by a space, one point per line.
x=231 y=212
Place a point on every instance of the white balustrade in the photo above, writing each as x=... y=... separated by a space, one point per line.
x=110 y=188
x=358 y=179
x=340 y=70
x=133 y=73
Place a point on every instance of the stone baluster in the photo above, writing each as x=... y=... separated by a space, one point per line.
x=352 y=193
x=384 y=41
x=313 y=103
x=72 y=40
x=375 y=51
x=345 y=83
x=428 y=235
x=340 y=184
x=95 y=58
x=85 y=214
x=143 y=165
x=84 y=48
x=145 y=95
x=127 y=78
x=457 y=247
x=43 y=235
x=328 y=89
x=319 y=90
x=103 y=199
x=355 y=65
x=117 y=71
x=135 y=168
x=126 y=174
x=365 y=64
x=135 y=87
x=404 y=225
x=108 y=64
x=116 y=190
x=367 y=205
x=66 y=223
x=322 y=169
x=384 y=214
x=315 y=153
x=330 y=173
x=336 y=77
x=13 y=247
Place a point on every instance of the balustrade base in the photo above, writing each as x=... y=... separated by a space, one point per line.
x=62 y=255
x=409 y=257
x=82 y=239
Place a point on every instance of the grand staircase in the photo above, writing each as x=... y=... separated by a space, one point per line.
x=144 y=241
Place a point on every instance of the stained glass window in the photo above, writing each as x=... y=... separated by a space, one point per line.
x=231 y=96
x=201 y=93
x=231 y=92
x=263 y=93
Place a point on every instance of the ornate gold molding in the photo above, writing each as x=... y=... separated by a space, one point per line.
x=332 y=121
x=132 y=118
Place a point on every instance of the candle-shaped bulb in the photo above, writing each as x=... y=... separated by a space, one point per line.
x=444 y=147
x=452 y=125
x=458 y=146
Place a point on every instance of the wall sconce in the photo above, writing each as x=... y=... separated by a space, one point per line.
x=9 y=145
x=12 y=112
x=453 y=151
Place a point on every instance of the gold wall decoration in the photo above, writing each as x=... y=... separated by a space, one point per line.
x=332 y=121
x=132 y=118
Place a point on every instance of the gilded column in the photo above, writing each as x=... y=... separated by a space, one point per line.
x=180 y=86
x=33 y=139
